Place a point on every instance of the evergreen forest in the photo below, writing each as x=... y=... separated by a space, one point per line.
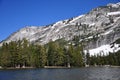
x=21 y=54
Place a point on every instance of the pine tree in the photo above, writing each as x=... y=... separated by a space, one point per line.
x=70 y=55
x=13 y=49
x=25 y=52
x=59 y=56
x=78 y=58
x=88 y=59
x=5 y=56
x=42 y=57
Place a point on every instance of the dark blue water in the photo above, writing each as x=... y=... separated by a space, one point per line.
x=62 y=74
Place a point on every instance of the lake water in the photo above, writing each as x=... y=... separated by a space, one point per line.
x=94 y=73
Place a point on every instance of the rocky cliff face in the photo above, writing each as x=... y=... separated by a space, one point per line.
x=99 y=27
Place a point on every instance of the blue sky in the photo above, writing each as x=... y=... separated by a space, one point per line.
x=16 y=14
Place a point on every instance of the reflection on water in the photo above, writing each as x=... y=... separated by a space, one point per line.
x=62 y=74
x=104 y=74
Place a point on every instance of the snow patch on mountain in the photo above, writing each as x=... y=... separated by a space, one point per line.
x=113 y=13
x=57 y=30
x=108 y=32
x=116 y=19
x=118 y=3
x=104 y=49
x=114 y=5
x=92 y=24
x=76 y=18
x=59 y=23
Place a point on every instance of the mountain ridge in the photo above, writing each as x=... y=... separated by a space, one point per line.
x=101 y=26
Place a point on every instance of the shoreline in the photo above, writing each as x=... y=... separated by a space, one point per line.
x=55 y=67
x=45 y=67
x=115 y=66
x=8 y=68
x=48 y=67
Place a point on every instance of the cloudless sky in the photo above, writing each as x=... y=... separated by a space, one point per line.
x=16 y=14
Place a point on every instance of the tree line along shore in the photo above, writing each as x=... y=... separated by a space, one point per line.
x=58 y=54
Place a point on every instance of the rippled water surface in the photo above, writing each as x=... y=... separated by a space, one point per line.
x=98 y=73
